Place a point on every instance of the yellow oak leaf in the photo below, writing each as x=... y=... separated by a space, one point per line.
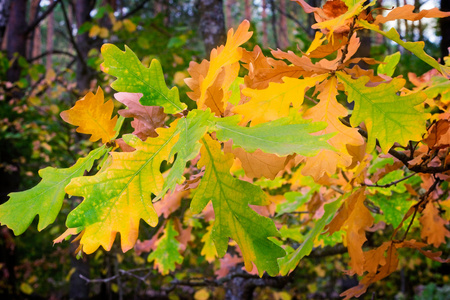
x=116 y=198
x=230 y=54
x=433 y=226
x=329 y=110
x=274 y=102
x=93 y=116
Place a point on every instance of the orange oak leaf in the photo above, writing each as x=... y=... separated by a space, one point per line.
x=439 y=135
x=218 y=93
x=356 y=224
x=303 y=61
x=231 y=53
x=388 y=266
x=262 y=70
x=93 y=116
x=258 y=164
x=146 y=118
x=407 y=12
x=344 y=212
x=329 y=110
x=433 y=226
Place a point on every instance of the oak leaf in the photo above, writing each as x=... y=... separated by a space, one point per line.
x=329 y=110
x=433 y=226
x=93 y=116
x=230 y=54
x=119 y=196
x=233 y=216
x=167 y=254
x=134 y=77
x=389 y=118
x=146 y=118
x=46 y=198
x=407 y=12
x=284 y=136
x=358 y=221
x=275 y=101
x=290 y=261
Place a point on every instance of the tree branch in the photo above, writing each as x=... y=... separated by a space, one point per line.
x=51 y=52
x=72 y=39
x=389 y=184
x=38 y=20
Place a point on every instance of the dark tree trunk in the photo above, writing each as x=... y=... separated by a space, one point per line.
x=17 y=37
x=212 y=23
x=4 y=17
x=82 y=14
x=445 y=29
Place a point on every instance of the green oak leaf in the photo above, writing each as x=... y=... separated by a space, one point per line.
x=134 y=77
x=415 y=47
x=191 y=129
x=116 y=198
x=290 y=261
x=284 y=136
x=389 y=118
x=167 y=254
x=393 y=207
x=233 y=216
x=46 y=198
x=391 y=62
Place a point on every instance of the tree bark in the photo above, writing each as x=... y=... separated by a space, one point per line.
x=445 y=29
x=4 y=17
x=228 y=13
x=34 y=38
x=264 y=24
x=248 y=9
x=17 y=37
x=212 y=23
x=284 y=42
x=274 y=23
x=50 y=35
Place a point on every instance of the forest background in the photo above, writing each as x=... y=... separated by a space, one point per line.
x=51 y=58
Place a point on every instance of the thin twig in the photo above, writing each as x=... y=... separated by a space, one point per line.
x=72 y=39
x=55 y=51
x=389 y=184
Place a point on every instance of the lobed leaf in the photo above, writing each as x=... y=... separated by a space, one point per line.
x=233 y=216
x=134 y=77
x=167 y=254
x=290 y=262
x=93 y=116
x=389 y=118
x=116 y=198
x=46 y=198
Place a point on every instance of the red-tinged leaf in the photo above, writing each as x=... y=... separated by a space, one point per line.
x=169 y=203
x=146 y=118
x=227 y=263
x=92 y=116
